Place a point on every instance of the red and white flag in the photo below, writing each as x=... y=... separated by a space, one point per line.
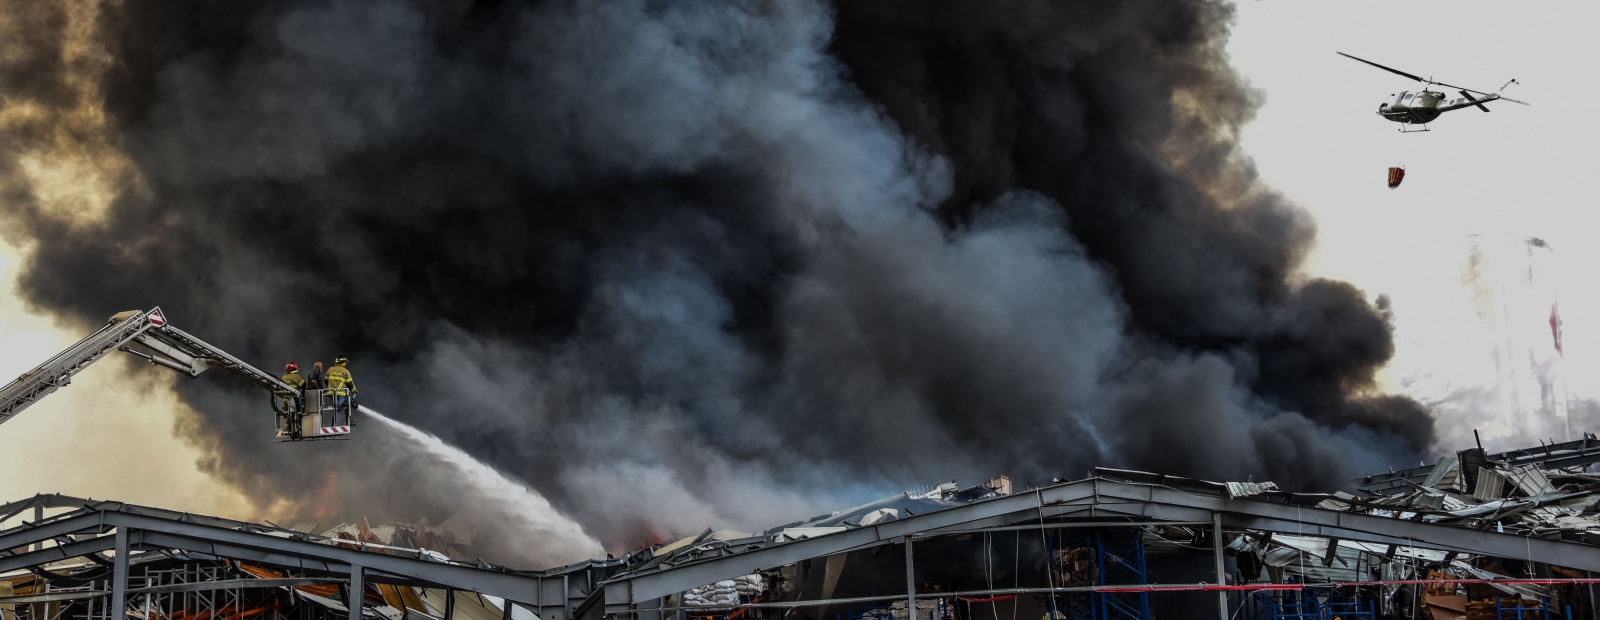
x=1555 y=328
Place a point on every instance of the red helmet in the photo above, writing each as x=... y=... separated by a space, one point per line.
x=291 y=367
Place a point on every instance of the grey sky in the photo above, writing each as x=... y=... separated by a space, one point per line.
x=1515 y=172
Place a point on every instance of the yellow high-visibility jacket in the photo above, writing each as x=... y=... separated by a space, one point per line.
x=294 y=380
x=339 y=377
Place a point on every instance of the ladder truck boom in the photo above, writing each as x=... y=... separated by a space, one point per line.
x=147 y=335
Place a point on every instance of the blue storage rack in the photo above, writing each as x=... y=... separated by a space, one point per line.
x=1119 y=560
x=1312 y=603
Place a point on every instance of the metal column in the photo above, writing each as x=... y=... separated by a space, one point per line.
x=1594 y=603
x=911 y=584
x=119 y=577
x=38 y=515
x=1222 y=569
x=449 y=603
x=358 y=591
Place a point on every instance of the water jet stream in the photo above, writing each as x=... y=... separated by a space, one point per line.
x=556 y=532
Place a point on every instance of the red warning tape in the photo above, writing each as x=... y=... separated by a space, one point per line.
x=991 y=599
x=1206 y=587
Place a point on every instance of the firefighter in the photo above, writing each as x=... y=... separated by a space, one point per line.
x=343 y=384
x=291 y=377
x=339 y=376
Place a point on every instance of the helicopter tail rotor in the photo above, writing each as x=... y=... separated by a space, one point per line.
x=1503 y=97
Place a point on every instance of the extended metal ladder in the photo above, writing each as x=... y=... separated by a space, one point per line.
x=146 y=335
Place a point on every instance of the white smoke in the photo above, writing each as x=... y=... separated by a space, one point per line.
x=1494 y=367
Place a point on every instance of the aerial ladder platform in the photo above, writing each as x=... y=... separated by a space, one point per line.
x=299 y=414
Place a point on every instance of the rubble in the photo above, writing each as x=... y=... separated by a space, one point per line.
x=1508 y=494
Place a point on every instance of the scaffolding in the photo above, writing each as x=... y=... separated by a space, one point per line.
x=170 y=598
x=1100 y=559
x=182 y=592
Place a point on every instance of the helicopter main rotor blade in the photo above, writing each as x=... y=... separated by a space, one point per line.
x=1394 y=71
x=1474 y=101
x=1417 y=78
x=1515 y=101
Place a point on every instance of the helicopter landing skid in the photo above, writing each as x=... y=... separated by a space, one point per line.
x=1404 y=130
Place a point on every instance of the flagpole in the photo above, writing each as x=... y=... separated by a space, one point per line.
x=1566 y=393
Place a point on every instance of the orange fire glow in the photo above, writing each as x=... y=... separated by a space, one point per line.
x=328 y=496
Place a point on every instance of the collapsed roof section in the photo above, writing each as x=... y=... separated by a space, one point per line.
x=1566 y=456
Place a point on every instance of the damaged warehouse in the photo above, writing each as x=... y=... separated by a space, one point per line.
x=1477 y=535
x=1472 y=536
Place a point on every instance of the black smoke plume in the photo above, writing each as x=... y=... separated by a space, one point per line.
x=692 y=262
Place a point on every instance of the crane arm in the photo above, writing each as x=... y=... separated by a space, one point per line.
x=144 y=334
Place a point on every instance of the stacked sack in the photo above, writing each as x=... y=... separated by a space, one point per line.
x=749 y=586
x=726 y=592
x=926 y=608
x=719 y=593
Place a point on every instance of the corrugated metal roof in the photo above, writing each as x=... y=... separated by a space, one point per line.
x=1530 y=480
x=1491 y=485
x=1247 y=489
x=1439 y=469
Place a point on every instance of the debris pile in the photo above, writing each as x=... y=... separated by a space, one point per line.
x=1544 y=493
x=450 y=540
x=1541 y=492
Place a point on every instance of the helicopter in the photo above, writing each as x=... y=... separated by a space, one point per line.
x=1422 y=107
